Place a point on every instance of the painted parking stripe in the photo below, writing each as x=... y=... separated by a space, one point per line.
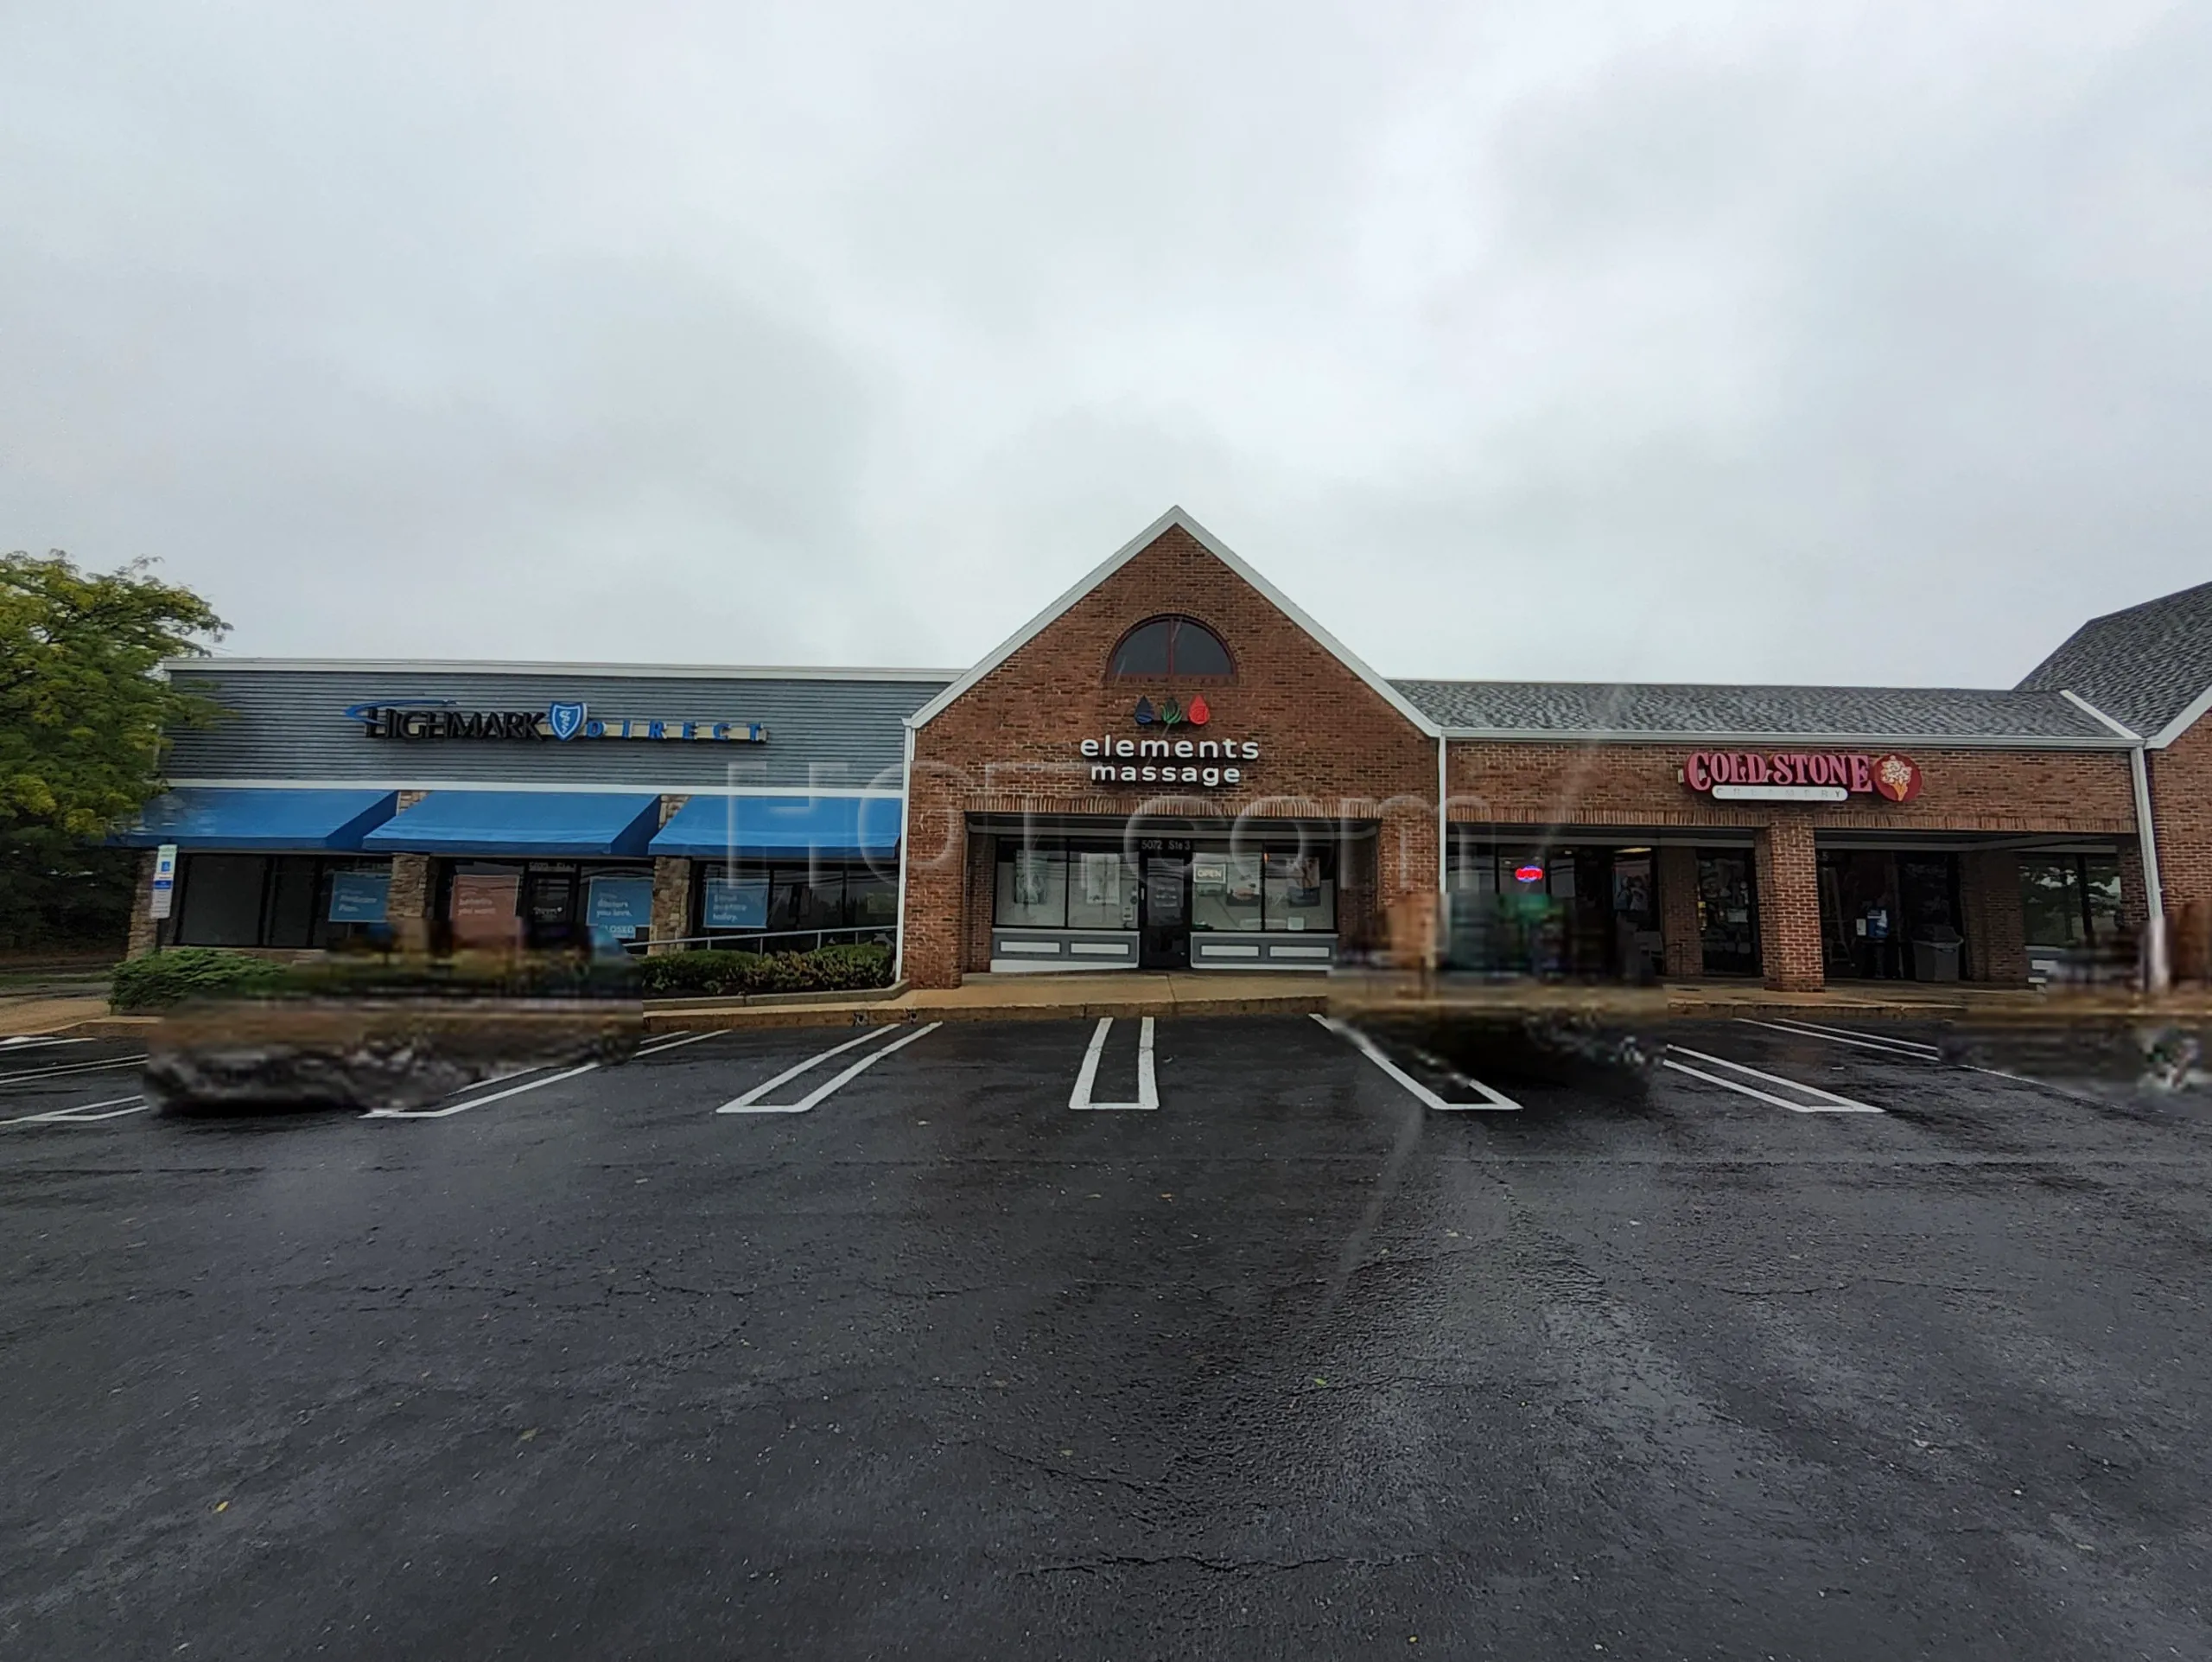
x=34 y=1041
x=1828 y=1102
x=82 y=1113
x=62 y=1070
x=477 y=1102
x=1148 y=1080
x=750 y=1103
x=1492 y=1101
x=679 y=1044
x=1912 y=1047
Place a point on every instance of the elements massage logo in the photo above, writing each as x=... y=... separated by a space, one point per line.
x=1171 y=714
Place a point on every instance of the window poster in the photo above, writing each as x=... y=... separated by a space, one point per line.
x=1101 y=879
x=1302 y=880
x=1243 y=888
x=621 y=905
x=1033 y=877
x=732 y=904
x=483 y=909
x=359 y=896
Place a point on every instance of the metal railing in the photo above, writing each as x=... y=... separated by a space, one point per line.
x=772 y=941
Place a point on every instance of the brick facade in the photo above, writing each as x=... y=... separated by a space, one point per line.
x=1333 y=748
x=1789 y=903
x=1683 y=945
x=1331 y=745
x=1989 y=896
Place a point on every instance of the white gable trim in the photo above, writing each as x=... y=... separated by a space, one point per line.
x=2181 y=724
x=1122 y=557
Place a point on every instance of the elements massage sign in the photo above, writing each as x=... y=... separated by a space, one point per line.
x=1169 y=761
x=1800 y=776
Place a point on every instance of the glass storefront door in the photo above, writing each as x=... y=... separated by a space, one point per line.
x=1164 y=942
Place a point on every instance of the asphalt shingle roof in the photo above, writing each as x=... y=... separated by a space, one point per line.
x=2144 y=665
x=1756 y=713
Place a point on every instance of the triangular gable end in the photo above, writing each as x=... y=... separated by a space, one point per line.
x=1175 y=517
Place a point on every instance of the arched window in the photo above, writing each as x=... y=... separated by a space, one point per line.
x=1171 y=648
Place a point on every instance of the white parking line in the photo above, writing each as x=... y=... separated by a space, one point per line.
x=750 y=1103
x=62 y=1070
x=679 y=1044
x=476 y=1102
x=32 y=1040
x=82 y=1113
x=1147 y=1081
x=1829 y=1103
x=1912 y=1047
x=1492 y=1101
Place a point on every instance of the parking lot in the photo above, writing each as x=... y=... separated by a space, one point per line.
x=1194 y=1337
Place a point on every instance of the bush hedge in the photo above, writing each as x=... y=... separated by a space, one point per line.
x=161 y=979
x=826 y=969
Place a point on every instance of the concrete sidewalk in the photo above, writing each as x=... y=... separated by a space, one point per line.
x=1354 y=994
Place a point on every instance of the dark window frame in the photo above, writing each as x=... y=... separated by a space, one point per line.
x=1175 y=622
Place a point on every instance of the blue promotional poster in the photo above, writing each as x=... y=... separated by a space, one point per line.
x=733 y=905
x=622 y=906
x=358 y=896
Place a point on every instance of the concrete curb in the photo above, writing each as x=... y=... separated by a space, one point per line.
x=1088 y=1009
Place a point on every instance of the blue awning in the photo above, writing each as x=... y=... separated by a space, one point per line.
x=785 y=827
x=269 y=820
x=552 y=824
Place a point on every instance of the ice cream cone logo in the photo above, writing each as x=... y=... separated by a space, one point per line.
x=1896 y=778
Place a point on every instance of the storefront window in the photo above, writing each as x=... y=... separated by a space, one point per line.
x=793 y=908
x=1226 y=890
x=1728 y=912
x=1033 y=887
x=1102 y=890
x=545 y=905
x=2069 y=900
x=296 y=900
x=1299 y=895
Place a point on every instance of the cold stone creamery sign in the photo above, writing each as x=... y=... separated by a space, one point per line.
x=443 y=718
x=1800 y=776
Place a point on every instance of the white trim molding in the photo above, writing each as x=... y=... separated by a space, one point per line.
x=485 y=666
x=1175 y=517
x=591 y=787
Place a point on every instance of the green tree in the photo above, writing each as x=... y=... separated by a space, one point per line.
x=83 y=714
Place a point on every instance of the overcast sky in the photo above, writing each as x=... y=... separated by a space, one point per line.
x=1797 y=342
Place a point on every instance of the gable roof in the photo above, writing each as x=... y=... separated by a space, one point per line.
x=2149 y=666
x=1129 y=551
x=1590 y=710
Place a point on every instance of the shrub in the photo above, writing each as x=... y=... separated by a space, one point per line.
x=161 y=979
x=829 y=969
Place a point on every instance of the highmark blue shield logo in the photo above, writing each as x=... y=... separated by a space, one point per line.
x=567 y=719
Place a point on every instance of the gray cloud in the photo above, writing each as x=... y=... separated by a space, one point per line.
x=1706 y=342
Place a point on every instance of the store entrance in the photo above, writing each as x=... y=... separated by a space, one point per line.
x=1164 y=938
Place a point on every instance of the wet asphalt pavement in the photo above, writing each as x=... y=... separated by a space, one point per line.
x=942 y=1367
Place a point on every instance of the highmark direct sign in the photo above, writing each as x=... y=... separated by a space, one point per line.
x=420 y=719
x=1800 y=776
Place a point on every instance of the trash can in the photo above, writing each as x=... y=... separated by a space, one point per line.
x=1936 y=959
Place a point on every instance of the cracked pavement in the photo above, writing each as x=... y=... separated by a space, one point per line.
x=942 y=1369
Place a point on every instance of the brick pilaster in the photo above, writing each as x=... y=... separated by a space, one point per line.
x=1789 y=905
x=408 y=898
x=145 y=931
x=1995 y=926
x=982 y=877
x=1678 y=932
x=672 y=903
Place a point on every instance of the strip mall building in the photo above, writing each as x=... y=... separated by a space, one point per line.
x=1173 y=765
